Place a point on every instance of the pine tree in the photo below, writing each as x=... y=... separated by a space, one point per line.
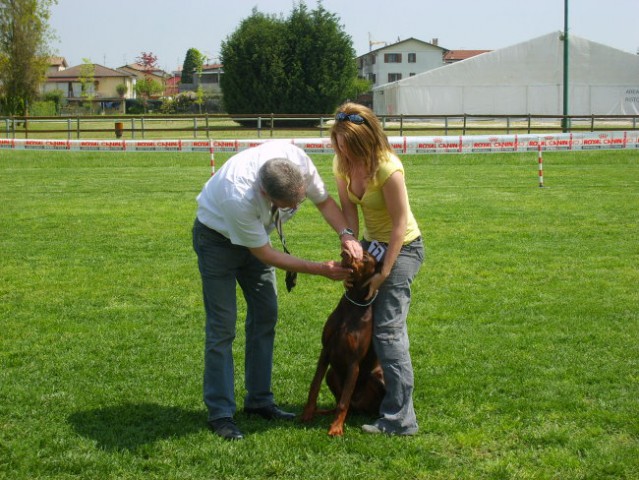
x=193 y=63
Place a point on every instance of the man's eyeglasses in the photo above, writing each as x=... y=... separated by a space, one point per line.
x=288 y=210
x=350 y=117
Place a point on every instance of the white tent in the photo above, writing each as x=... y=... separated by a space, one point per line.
x=526 y=78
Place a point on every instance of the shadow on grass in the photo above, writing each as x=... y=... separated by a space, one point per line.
x=130 y=426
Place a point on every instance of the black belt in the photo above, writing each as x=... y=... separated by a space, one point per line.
x=418 y=239
x=214 y=232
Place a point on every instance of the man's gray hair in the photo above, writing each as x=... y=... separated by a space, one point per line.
x=282 y=180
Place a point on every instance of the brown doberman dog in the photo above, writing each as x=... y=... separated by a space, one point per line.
x=347 y=358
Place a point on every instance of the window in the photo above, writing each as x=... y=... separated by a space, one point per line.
x=210 y=78
x=393 y=77
x=412 y=58
x=392 y=58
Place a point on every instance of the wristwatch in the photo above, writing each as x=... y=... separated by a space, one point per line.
x=346 y=231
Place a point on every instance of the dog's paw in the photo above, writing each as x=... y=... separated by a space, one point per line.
x=336 y=430
x=307 y=415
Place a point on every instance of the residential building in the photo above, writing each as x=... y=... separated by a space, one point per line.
x=400 y=60
x=209 y=79
x=102 y=91
x=57 y=64
x=140 y=72
x=172 y=85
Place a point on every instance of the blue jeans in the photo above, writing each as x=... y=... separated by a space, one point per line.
x=221 y=265
x=391 y=343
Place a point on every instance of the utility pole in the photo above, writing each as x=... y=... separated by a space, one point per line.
x=566 y=121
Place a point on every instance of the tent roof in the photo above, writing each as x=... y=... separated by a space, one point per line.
x=538 y=61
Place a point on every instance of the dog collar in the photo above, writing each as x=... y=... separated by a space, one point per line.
x=361 y=304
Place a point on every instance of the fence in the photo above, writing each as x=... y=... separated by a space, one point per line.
x=250 y=126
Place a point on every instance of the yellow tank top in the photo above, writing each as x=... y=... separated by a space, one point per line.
x=377 y=221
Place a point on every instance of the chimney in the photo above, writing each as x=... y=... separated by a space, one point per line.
x=435 y=41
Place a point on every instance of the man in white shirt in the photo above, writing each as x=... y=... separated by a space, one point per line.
x=237 y=209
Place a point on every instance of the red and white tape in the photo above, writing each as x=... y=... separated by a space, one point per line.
x=405 y=145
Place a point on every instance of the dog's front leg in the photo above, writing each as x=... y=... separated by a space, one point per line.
x=337 y=427
x=311 y=404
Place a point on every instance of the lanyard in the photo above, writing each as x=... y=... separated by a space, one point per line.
x=291 y=277
x=278 y=226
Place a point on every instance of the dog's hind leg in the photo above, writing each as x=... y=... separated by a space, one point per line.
x=368 y=395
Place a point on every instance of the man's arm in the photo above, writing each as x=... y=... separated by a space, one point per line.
x=335 y=218
x=331 y=269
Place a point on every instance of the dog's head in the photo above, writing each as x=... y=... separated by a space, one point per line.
x=363 y=269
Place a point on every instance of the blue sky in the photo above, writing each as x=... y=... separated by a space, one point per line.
x=115 y=32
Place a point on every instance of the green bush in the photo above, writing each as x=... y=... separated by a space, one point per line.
x=46 y=108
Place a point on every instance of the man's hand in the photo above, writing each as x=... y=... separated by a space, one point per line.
x=334 y=270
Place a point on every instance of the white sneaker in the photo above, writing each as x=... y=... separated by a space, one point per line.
x=371 y=429
x=376 y=429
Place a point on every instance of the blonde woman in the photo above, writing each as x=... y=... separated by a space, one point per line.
x=370 y=179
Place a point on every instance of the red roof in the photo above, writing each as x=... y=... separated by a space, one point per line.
x=457 y=55
x=58 y=61
x=76 y=72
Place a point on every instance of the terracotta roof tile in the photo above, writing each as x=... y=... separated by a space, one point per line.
x=457 y=55
x=100 y=72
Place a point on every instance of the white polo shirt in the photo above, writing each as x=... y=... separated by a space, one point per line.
x=231 y=202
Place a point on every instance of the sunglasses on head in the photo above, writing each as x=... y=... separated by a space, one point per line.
x=350 y=117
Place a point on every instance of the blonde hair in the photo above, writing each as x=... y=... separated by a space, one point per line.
x=366 y=142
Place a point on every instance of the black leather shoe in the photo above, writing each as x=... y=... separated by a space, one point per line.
x=270 y=412
x=226 y=428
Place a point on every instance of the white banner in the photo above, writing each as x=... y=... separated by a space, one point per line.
x=623 y=140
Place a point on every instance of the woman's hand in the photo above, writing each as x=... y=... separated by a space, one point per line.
x=373 y=285
x=352 y=246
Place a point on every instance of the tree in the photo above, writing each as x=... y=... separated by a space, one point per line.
x=121 y=88
x=24 y=52
x=87 y=81
x=148 y=61
x=302 y=64
x=146 y=89
x=253 y=56
x=322 y=68
x=193 y=63
x=56 y=97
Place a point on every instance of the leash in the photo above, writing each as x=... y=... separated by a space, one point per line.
x=361 y=304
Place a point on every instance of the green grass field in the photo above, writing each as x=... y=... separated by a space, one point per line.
x=524 y=325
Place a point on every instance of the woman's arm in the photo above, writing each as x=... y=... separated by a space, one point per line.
x=394 y=191
x=348 y=208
